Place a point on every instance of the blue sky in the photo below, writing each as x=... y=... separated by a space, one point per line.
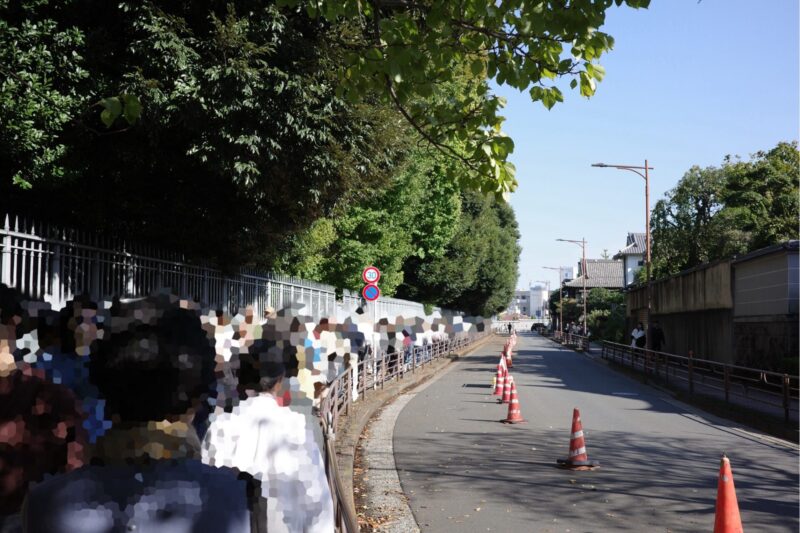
x=686 y=84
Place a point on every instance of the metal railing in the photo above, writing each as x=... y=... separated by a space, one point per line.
x=572 y=340
x=747 y=385
x=55 y=264
x=375 y=370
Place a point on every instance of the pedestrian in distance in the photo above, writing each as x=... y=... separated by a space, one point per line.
x=639 y=336
x=657 y=338
x=509 y=328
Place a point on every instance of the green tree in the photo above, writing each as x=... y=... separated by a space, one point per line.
x=604 y=299
x=572 y=309
x=681 y=223
x=761 y=196
x=478 y=271
x=717 y=212
x=606 y=318
x=415 y=216
x=241 y=140
x=405 y=49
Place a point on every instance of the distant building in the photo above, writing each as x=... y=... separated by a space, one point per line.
x=632 y=256
x=531 y=302
x=521 y=304
x=538 y=300
x=605 y=273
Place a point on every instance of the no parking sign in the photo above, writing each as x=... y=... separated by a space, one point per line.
x=371 y=292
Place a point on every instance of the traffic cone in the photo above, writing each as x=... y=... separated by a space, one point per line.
x=507 y=354
x=578 y=458
x=727 y=519
x=500 y=379
x=514 y=414
x=507 y=389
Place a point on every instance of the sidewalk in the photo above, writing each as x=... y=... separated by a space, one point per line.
x=361 y=412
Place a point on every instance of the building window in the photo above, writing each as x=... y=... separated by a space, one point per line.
x=641 y=263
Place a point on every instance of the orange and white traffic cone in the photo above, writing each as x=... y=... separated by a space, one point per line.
x=578 y=458
x=514 y=414
x=500 y=379
x=727 y=518
x=507 y=389
x=507 y=354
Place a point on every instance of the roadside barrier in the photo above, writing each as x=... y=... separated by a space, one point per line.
x=506 y=398
x=376 y=369
x=500 y=379
x=578 y=457
x=755 y=385
x=727 y=518
x=514 y=414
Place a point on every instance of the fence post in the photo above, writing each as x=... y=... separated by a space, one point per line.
x=349 y=391
x=786 y=398
x=726 y=372
x=55 y=283
x=383 y=368
x=656 y=363
x=5 y=274
x=94 y=278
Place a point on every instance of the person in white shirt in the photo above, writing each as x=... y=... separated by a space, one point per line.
x=275 y=446
x=638 y=336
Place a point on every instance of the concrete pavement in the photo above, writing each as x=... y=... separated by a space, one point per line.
x=464 y=471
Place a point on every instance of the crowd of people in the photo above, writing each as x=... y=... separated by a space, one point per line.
x=155 y=414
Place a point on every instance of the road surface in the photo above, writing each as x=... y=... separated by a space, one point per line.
x=462 y=470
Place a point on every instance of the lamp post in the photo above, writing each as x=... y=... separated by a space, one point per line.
x=560 y=298
x=584 y=274
x=547 y=288
x=646 y=177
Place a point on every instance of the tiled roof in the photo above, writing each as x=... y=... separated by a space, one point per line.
x=636 y=245
x=608 y=273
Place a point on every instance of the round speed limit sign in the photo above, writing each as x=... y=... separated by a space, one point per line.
x=371 y=275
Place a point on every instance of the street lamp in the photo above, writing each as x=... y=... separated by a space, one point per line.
x=582 y=244
x=560 y=298
x=646 y=177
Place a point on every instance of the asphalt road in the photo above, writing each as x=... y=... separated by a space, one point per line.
x=462 y=470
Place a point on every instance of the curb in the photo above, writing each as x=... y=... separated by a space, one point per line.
x=362 y=412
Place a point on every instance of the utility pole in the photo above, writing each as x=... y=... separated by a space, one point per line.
x=584 y=274
x=646 y=176
x=560 y=298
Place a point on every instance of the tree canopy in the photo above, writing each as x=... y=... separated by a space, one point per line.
x=257 y=132
x=717 y=212
x=240 y=141
x=404 y=49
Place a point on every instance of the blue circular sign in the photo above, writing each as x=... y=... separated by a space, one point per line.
x=371 y=292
